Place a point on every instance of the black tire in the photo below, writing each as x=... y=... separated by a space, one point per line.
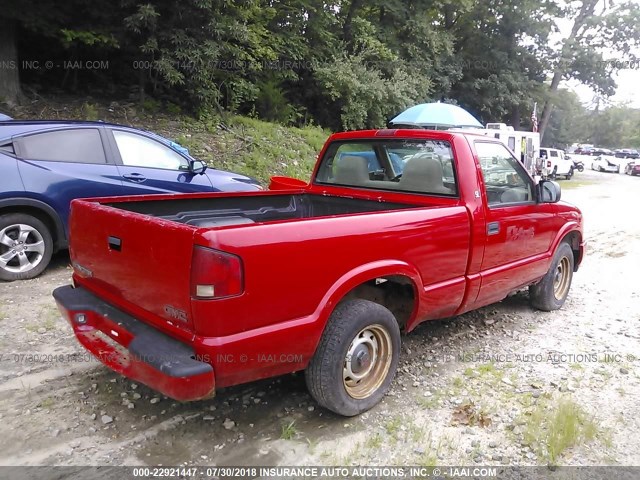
x=36 y=247
x=581 y=168
x=548 y=294
x=325 y=375
x=570 y=174
x=553 y=174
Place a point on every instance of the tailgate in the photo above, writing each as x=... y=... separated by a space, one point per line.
x=139 y=263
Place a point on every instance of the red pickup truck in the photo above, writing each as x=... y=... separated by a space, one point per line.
x=190 y=293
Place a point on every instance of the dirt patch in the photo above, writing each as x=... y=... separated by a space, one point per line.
x=484 y=388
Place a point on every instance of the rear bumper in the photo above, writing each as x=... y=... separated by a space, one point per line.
x=133 y=348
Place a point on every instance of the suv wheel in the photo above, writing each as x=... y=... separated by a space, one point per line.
x=26 y=246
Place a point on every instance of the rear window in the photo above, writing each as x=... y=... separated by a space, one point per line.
x=413 y=166
x=76 y=146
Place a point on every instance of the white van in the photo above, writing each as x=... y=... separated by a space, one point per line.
x=555 y=163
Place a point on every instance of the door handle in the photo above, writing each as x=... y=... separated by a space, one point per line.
x=493 y=228
x=135 y=177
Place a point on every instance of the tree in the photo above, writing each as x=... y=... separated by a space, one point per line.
x=569 y=123
x=9 y=77
x=598 y=27
x=496 y=48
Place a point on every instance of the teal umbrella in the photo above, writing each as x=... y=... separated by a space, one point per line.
x=436 y=115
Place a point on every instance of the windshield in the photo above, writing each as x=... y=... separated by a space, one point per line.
x=414 y=166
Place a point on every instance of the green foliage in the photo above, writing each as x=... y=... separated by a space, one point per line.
x=289 y=431
x=69 y=37
x=553 y=427
x=272 y=105
x=343 y=64
x=90 y=111
x=614 y=127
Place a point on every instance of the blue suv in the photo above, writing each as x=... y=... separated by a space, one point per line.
x=46 y=164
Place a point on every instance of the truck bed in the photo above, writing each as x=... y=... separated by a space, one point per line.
x=223 y=211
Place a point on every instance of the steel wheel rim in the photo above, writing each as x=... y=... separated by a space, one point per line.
x=367 y=361
x=21 y=248
x=561 y=278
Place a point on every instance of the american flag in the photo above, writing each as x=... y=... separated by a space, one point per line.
x=534 y=117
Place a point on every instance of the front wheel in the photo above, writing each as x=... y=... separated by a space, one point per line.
x=356 y=359
x=26 y=246
x=551 y=292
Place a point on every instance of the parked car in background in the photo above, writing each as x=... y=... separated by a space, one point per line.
x=583 y=150
x=601 y=151
x=605 y=163
x=46 y=164
x=632 y=168
x=556 y=163
x=627 y=153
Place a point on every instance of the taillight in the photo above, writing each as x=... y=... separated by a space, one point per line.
x=215 y=274
x=548 y=163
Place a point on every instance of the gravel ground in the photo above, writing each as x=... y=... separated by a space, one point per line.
x=491 y=387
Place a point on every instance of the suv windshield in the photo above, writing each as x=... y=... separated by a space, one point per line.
x=414 y=166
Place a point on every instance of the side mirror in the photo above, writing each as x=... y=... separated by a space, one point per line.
x=197 y=167
x=549 y=191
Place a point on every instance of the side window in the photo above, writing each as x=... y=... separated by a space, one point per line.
x=7 y=148
x=505 y=180
x=512 y=143
x=82 y=145
x=139 y=151
x=553 y=154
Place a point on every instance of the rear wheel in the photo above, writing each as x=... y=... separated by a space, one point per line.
x=356 y=359
x=570 y=174
x=551 y=292
x=26 y=246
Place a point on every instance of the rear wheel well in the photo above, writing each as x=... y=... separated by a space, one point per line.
x=395 y=292
x=41 y=215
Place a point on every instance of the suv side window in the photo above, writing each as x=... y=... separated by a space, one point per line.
x=553 y=153
x=505 y=179
x=139 y=151
x=81 y=145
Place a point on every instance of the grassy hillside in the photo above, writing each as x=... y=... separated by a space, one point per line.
x=240 y=144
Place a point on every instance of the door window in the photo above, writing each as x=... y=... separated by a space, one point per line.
x=553 y=153
x=77 y=145
x=138 y=151
x=505 y=180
